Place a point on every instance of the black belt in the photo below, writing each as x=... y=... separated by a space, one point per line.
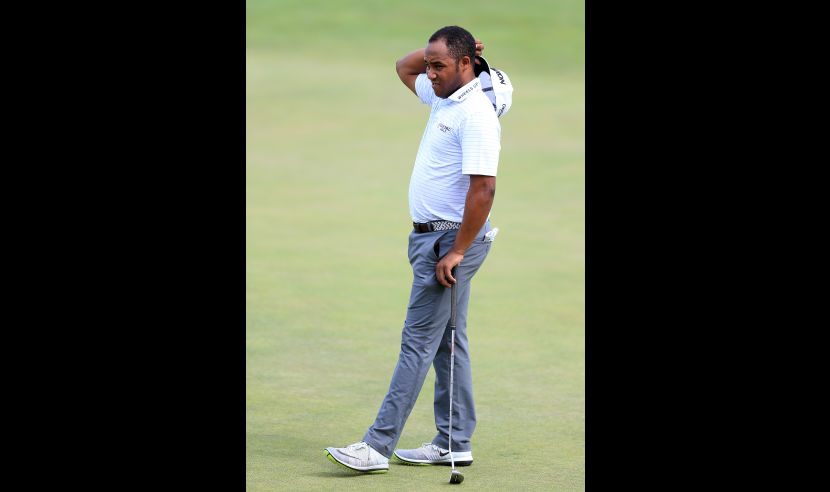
x=436 y=225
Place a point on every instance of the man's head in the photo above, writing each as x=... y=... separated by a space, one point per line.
x=449 y=59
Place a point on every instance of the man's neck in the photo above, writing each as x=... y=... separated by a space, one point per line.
x=465 y=79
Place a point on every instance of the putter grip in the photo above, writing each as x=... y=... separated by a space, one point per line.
x=453 y=300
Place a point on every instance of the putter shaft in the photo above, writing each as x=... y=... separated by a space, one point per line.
x=455 y=476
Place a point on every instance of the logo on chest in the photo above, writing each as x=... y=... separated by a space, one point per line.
x=443 y=127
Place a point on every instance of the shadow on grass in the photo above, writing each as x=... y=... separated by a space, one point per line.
x=343 y=474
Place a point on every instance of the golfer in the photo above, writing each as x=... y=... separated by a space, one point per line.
x=450 y=194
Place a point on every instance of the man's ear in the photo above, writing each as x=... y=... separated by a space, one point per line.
x=464 y=62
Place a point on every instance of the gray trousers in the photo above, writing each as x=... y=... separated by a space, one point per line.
x=425 y=341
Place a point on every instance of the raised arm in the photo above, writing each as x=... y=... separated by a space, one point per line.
x=410 y=66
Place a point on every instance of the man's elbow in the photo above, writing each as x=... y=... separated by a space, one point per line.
x=399 y=66
x=491 y=189
x=487 y=190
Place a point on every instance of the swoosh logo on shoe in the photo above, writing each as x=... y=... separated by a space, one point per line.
x=443 y=454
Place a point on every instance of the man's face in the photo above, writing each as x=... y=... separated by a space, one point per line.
x=441 y=69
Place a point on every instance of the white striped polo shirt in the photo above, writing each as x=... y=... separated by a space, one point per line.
x=462 y=137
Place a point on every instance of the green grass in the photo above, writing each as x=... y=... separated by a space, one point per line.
x=331 y=138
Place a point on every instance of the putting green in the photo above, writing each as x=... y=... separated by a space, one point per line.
x=331 y=136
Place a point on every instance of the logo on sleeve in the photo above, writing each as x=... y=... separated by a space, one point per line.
x=443 y=127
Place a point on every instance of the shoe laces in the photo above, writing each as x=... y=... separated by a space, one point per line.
x=363 y=447
x=429 y=445
x=357 y=445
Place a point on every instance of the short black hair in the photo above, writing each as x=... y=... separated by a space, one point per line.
x=459 y=42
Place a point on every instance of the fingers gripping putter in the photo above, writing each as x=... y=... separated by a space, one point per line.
x=455 y=476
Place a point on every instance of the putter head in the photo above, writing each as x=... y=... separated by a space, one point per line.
x=456 y=477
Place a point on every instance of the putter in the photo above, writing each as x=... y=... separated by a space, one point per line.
x=455 y=475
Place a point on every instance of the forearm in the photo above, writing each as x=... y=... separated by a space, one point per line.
x=476 y=210
x=411 y=64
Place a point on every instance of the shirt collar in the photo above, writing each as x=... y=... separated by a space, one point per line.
x=465 y=90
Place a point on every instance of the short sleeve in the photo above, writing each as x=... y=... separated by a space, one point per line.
x=423 y=87
x=480 y=144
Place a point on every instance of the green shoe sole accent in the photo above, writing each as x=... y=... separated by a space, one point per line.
x=445 y=463
x=326 y=452
x=410 y=463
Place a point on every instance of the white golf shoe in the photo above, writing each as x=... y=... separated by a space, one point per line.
x=430 y=454
x=359 y=457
